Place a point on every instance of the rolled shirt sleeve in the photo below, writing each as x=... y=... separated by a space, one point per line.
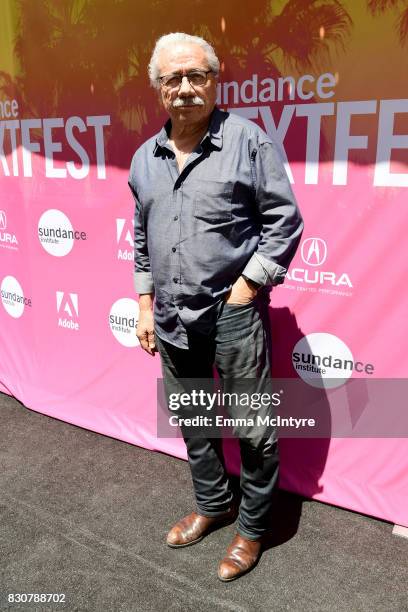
x=142 y=276
x=278 y=214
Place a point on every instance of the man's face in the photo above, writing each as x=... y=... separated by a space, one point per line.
x=187 y=103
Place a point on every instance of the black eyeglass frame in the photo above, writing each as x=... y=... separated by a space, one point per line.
x=181 y=76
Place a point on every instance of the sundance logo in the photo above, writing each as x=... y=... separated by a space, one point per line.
x=123 y=318
x=323 y=360
x=56 y=233
x=314 y=254
x=124 y=237
x=67 y=307
x=12 y=297
x=7 y=240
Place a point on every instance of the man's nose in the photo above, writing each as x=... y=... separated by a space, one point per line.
x=185 y=87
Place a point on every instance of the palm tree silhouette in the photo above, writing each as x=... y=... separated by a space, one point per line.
x=377 y=7
x=90 y=56
x=300 y=37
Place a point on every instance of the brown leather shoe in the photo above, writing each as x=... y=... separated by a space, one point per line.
x=192 y=528
x=242 y=555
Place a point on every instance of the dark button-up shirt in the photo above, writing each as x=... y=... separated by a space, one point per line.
x=230 y=211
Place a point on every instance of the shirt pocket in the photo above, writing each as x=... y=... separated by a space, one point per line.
x=213 y=201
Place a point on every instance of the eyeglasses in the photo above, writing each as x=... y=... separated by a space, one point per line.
x=196 y=78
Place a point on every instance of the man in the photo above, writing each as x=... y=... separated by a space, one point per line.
x=216 y=226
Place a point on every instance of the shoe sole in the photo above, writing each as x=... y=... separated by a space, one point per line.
x=186 y=543
x=210 y=530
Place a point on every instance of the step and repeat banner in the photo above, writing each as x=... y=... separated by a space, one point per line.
x=327 y=80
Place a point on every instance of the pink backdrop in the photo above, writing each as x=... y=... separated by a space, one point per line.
x=68 y=308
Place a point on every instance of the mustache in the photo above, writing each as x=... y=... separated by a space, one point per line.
x=192 y=101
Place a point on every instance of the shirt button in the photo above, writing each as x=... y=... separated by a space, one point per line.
x=175 y=218
x=180 y=307
x=174 y=249
x=175 y=280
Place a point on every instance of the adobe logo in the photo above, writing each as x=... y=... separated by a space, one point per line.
x=125 y=228
x=124 y=234
x=67 y=307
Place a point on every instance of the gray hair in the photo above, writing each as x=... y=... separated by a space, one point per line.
x=179 y=37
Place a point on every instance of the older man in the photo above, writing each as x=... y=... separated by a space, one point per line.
x=216 y=226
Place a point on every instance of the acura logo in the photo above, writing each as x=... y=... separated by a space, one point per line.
x=3 y=220
x=314 y=251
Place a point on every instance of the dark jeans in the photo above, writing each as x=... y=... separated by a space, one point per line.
x=239 y=347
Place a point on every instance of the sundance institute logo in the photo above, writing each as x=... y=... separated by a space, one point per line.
x=67 y=308
x=324 y=361
x=12 y=297
x=56 y=233
x=123 y=318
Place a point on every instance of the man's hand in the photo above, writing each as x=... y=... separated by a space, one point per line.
x=145 y=325
x=241 y=292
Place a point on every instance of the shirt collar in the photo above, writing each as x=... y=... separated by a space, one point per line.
x=214 y=133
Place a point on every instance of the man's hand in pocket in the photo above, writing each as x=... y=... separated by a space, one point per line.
x=242 y=292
